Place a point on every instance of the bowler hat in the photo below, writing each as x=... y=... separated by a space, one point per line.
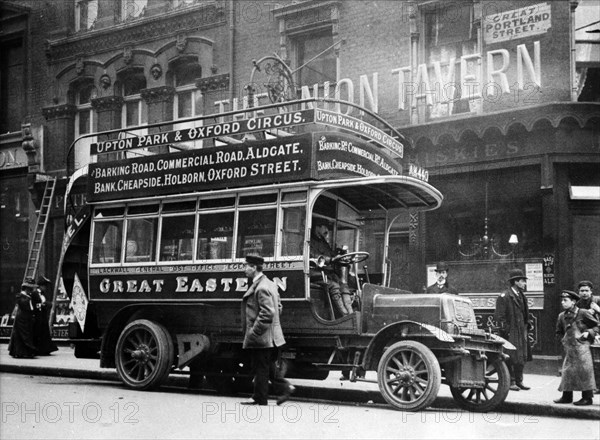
x=516 y=274
x=257 y=260
x=29 y=282
x=569 y=294
x=42 y=280
x=585 y=283
x=442 y=265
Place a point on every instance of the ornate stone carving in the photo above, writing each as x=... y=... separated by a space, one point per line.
x=181 y=42
x=158 y=94
x=156 y=71
x=216 y=82
x=189 y=20
x=107 y=103
x=79 y=66
x=59 y=111
x=127 y=54
x=105 y=81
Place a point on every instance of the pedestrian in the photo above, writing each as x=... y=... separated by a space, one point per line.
x=22 y=343
x=441 y=285
x=577 y=328
x=43 y=338
x=586 y=298
x=261 y=308
x=512 y=318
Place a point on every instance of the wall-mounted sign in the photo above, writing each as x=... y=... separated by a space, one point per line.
x=548 y=263
x=517 y=23
x=534 y=273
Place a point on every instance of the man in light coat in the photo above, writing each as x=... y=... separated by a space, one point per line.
x=512 y=317
x=261 y=307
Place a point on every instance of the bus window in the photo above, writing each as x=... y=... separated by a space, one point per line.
x=215 y=236
x=141 y=240
x=177 y=237
x=108 y=237
x=256 y=232
x=293 y=231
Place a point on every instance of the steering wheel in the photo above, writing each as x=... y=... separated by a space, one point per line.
x=350 y=258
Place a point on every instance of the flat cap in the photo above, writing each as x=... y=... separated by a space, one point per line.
x=569 y=294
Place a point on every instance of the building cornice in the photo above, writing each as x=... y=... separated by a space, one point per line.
x=167 y=25
x=524 y=118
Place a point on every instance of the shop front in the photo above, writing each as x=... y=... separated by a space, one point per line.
x=15 y=214
x=510 y=183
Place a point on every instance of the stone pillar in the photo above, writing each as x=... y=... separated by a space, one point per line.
x=160 y=109
x=108 y=111
x=60 y=132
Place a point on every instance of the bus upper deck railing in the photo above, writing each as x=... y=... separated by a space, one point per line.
x=366 y=117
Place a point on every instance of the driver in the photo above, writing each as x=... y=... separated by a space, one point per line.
x=322 y=252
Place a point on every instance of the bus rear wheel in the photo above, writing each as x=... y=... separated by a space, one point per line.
x=144 y=354
x=409 y=376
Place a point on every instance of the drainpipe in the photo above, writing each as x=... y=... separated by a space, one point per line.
x=574 y=83
x=231 y=49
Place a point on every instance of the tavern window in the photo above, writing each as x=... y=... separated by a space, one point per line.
x=449 y=40
x=315 y=58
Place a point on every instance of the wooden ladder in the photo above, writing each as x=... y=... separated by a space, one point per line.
x=33 y=261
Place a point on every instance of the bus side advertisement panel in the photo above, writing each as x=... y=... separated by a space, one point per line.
x=186 y=286
x=252 y=163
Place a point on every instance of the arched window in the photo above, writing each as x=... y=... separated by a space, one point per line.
x=86 y=13
x=85 y=120
x=135 y=111
x=188 y=99
x=132 y=9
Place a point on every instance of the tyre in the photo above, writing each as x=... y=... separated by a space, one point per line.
x=409 y=376
x=144 y=354
x=497 y=383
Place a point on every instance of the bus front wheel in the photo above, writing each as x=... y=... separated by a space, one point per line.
x=409 y=376
x=144 y=354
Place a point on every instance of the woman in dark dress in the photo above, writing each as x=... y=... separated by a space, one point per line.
x=43 y=339
x=22 y=343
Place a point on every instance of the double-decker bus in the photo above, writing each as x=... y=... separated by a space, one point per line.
x=154 y=261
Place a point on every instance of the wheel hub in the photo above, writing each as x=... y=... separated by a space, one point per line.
x=406 y=375
x=141 y=354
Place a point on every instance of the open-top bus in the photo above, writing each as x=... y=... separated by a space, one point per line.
x=154 y=261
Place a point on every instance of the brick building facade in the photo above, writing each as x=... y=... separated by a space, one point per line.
x=498 y=99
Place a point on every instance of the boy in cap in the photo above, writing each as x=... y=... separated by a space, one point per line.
x=261 y=307
x=576 y=327
x=586 y=299
x=512 y=317
x=441 y=285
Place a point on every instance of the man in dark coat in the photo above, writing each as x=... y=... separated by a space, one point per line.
x=512 y=317
x=22 y=344
x=441 y=285
x=576 y=328
x=261 y=307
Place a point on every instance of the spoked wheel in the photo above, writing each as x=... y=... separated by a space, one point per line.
x=497 y=383
x=409 y=376
x=144 y=354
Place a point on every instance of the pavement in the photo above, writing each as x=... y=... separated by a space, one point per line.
x=543 y=380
